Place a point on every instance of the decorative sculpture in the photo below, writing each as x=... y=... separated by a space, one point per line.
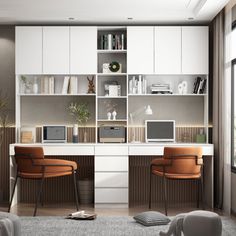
x=91 y=87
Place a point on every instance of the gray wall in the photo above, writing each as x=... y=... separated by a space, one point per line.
x=7 y=66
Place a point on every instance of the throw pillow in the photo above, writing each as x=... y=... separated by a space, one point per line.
x=151 y=218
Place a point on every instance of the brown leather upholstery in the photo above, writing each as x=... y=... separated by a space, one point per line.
x=32 y=164
x=179 y=163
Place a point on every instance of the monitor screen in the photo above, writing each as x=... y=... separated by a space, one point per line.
x=54 y=133
x=160 y=130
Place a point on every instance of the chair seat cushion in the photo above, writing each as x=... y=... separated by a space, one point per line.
x=151 y=218
x=53 y=168
x=176 y=176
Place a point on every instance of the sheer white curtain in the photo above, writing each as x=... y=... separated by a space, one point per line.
x=227 y=111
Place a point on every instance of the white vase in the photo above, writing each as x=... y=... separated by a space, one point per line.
x=109 y=115
x=75 y=134
x=35 y=87
x=114 y=113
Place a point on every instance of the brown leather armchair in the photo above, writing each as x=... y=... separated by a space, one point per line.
x=31 y=164
x=178 y=163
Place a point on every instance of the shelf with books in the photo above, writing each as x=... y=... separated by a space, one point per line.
x=112 y=38
x=173 y=94
x=111 y=51
x=160 y=85
x=55 y=94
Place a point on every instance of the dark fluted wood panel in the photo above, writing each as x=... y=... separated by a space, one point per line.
x=183 y=134
x=89 y=130
x=180 y=193
x=59 y=189
x=9 y=137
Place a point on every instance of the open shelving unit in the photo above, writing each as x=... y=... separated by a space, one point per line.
x=188 y=109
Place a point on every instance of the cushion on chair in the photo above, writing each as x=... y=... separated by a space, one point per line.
x=151 y=218
x=9 y=224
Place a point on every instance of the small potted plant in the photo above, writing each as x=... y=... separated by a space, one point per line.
x=26 y=83
x=81 y=114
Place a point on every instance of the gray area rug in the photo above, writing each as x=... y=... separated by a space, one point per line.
x=102 y=226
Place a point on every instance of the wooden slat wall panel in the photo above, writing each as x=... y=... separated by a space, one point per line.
x=183 y=134
x=9 y=137
x=59 y=189
x=180 y=193
x=90 y=134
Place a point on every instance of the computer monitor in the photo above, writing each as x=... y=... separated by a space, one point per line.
x=54 y=134
x=160 y=130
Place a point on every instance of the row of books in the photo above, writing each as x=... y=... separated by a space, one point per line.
x=199 y=85
x=138 y=85
x=47 y=85
x=113 y=42
x=70 y=85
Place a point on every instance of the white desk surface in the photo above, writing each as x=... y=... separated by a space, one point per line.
x=90 y=149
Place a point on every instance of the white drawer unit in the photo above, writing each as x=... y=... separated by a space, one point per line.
x=111 y=163
x=109 y=195
x=111 y=174
x=111 y=150
x=112 y=180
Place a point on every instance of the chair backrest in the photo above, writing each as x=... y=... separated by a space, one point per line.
x=24 y=157
x=187 y=160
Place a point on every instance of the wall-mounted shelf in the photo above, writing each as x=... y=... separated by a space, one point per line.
x=111 y=74
x=55 y=94
x=111 y=51
x=169 y=95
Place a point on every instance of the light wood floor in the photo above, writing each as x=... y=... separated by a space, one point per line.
x=65 y=209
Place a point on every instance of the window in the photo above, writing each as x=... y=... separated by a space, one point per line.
x=233 y=110
x=234 y=114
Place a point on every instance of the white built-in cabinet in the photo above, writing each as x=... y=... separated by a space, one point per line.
x=195 y=50
x=140 y=50
x=167 y=50
x=56 y=50
x=83 y=50
x=28 y=50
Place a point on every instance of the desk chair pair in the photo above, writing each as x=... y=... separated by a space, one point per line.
x=178 y=164
x=31 y=164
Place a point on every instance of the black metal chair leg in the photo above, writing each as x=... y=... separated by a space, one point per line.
x=12 y=194
x=76 y=191
x=202 y=188
x=198 y=186
x=150 y=188
x=38 y=196
x=165 y=194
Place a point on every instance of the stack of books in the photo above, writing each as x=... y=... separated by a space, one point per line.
x=160 y=88
x=199 y=85
x=113 y=42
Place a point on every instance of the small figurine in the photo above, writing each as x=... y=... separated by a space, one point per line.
x=91 y=87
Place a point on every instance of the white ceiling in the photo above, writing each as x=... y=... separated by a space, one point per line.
x=108 y=11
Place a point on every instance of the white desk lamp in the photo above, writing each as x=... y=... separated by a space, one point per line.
x=147 y=110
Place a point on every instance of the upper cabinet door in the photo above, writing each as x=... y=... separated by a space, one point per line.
x=195 y=50
x=83 y=50
x=168 y=50
x=56 y=50
x=28 y=50
x=140 y=50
